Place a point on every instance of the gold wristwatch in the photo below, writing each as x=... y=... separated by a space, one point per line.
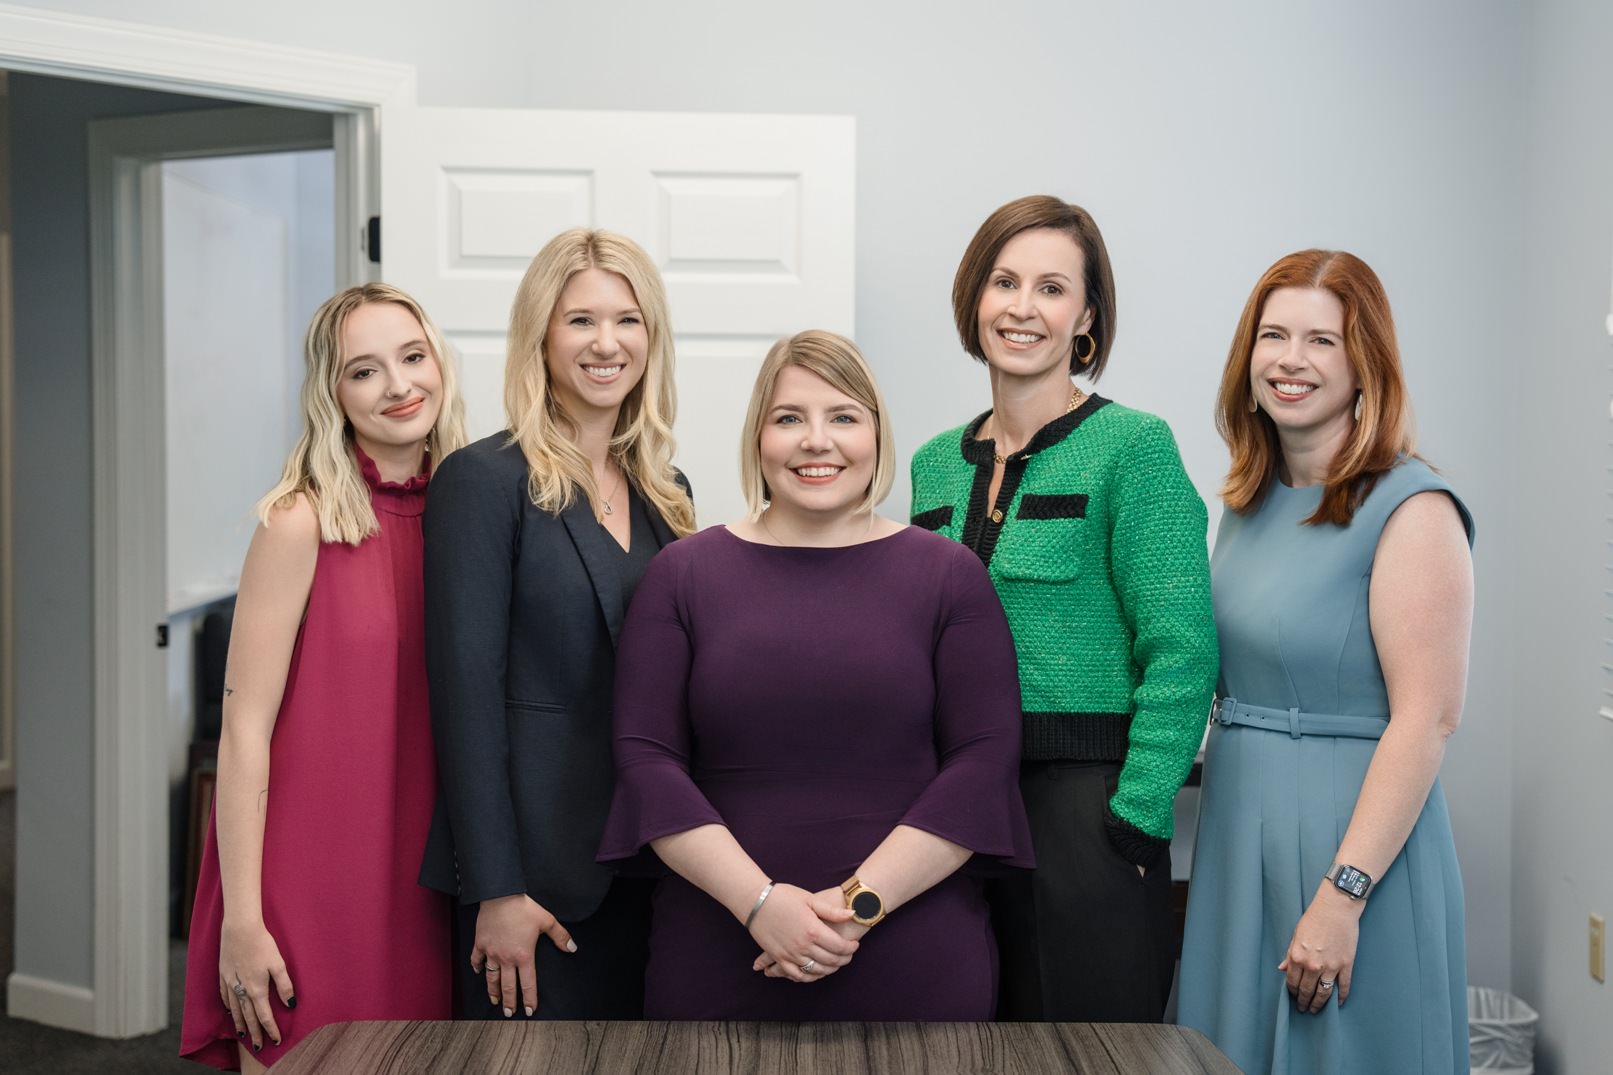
x=867 y=906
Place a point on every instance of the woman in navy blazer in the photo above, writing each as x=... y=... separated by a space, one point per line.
x=534 y=540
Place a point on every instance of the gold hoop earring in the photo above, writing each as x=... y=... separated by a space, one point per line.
x=1092 y=348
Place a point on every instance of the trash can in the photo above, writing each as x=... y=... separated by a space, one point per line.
x=1500 y=1032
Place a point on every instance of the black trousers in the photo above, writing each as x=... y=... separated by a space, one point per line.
x=1083 y=937
x=603 y=979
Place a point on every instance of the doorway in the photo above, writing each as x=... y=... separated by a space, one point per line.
x=164 y=166
x=88 y=692
x=246 y=244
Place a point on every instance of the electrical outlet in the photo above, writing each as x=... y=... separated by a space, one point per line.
x=1598 y=932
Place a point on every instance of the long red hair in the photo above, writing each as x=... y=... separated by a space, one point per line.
x=1382 y=434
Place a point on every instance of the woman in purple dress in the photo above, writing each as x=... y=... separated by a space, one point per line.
x=817 y=727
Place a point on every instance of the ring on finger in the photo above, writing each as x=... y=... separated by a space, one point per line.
x=1324 y=985
x=806 y=968
x=491 y=969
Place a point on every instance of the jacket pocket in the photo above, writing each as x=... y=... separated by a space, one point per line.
x=1053 y=506
x=1041 y=548
x=512 y=706
x=935 y=518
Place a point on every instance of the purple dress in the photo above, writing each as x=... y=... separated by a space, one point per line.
x=812 y=700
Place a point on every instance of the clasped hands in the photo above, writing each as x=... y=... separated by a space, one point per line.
x=804 y=936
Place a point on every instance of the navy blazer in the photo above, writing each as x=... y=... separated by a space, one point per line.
x=522 y=612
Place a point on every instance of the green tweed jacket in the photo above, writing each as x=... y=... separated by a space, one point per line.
x=1097 y=548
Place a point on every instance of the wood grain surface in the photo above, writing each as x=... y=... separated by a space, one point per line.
x=755 y=1048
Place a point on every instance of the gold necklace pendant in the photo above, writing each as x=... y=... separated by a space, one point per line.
x=1077 y=397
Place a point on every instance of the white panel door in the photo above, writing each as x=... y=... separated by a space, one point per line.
x=750 y=219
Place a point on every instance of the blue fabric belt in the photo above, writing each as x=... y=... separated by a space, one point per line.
x=1295 y=723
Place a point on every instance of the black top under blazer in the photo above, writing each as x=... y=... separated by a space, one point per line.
x=522 y=612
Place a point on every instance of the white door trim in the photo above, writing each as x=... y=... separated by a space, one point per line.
x=129 y=760
x=178 y=61
x=127 y=388
x=130 y=838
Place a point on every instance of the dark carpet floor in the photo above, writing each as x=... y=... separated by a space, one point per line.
x=31 y=1048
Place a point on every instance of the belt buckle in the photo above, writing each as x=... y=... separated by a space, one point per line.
x=1221 y=710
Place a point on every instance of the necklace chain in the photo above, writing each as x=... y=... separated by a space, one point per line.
x=769 y=530
x=1077 y=397
x=614 y=490
x=768 y=511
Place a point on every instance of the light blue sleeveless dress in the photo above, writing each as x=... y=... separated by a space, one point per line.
x=1302 y=704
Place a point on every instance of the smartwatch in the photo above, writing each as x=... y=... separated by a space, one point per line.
x=867 y=906
x=1349 y=880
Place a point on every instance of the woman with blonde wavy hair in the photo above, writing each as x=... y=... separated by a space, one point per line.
x=535 y=540
x=325 y=692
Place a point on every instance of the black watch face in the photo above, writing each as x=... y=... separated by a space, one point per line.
x=1353 y=881
x=866 y=905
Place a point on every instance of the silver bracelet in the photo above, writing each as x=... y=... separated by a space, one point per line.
x=759 y=901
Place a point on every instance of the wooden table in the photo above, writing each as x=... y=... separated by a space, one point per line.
x=755 y=1048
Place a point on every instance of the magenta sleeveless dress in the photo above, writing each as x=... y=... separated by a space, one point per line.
x=352 y=786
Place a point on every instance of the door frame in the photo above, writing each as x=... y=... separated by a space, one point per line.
x=131 y=599
x=128 y=995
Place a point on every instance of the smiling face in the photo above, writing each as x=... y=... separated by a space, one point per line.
x=1034 y=305
x=1299 y=372
x=596 y=344
x=818 y=447
x=389 y=385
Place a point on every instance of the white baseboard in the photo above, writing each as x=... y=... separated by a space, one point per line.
x=40 y=1000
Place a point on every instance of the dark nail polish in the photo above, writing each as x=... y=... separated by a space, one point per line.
x=241 y=1034
x=277 y=1041
x=257 y=1047
x=291 y=1002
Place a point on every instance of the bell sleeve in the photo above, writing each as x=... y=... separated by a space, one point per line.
x=655 y=795
x=974 y=799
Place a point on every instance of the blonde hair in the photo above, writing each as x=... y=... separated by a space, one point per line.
x=837 y=360
x=642 y=442
x=322 y=465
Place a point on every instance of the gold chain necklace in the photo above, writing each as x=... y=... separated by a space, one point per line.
x=769 y=529
x=763 y=520
x=1077 y=397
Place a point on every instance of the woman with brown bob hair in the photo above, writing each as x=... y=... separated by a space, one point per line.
x=535 y=540
x=1093 y=534
x=1343 y=591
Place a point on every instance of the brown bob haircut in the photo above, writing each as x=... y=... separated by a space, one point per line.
x=1382 y=433
x=1023 y=214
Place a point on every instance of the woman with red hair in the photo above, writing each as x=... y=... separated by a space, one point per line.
x=1325 y=929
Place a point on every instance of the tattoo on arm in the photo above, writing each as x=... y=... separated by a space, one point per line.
x=228 y=690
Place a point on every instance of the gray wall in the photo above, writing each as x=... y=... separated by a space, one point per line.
x=52 y=504
x=1461 y=148
x=1555 y=424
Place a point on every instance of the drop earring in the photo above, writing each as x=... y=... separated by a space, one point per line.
x=1358 y=396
